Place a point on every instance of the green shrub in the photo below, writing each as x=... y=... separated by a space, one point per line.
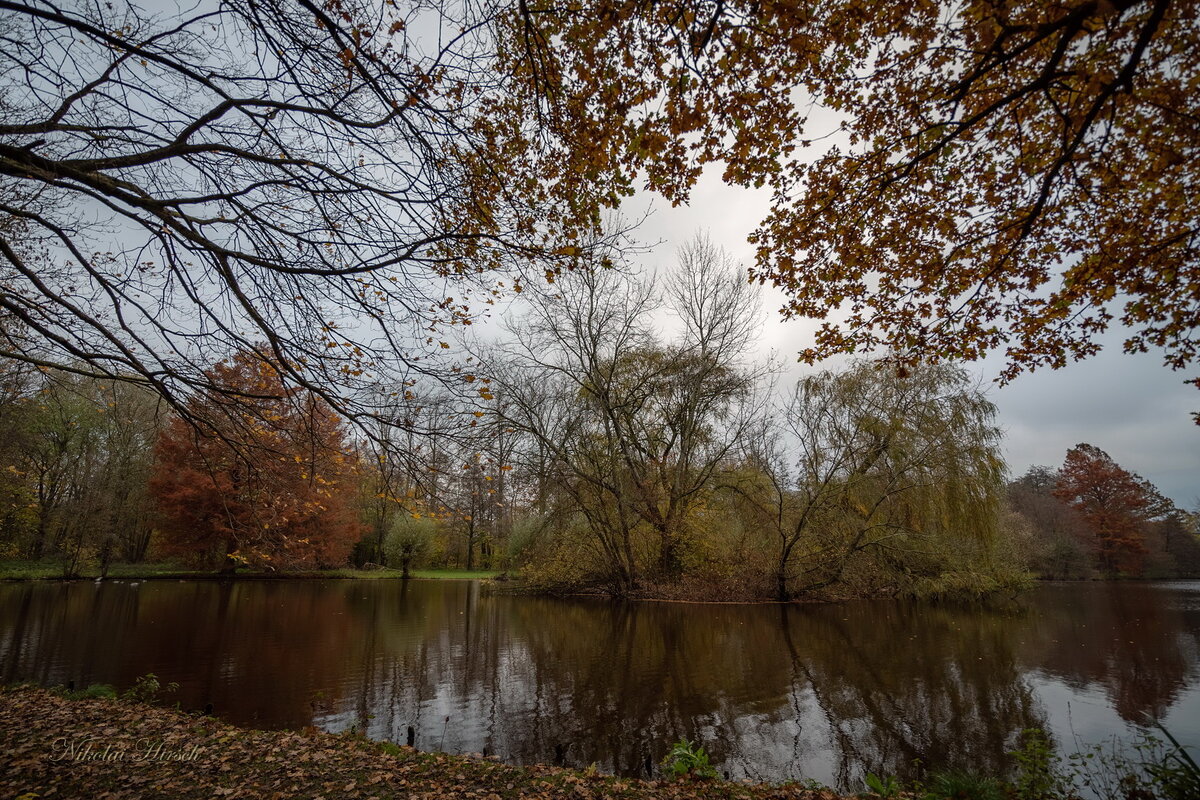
x=93 y=692
x=963 y=786
x=1147 y=768
x=408 y=542
x=1039 y=768
x=686 y=758
x=146 y=689
x=884 y=787
x=524 y=539
x=1173 y=772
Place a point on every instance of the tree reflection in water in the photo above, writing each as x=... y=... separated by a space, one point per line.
x=773 y=692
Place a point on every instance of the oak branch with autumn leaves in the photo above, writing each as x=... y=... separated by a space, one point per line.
x=1000 y=176
x=335 y=178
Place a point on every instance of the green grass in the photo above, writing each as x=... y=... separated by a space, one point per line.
x=455 y=574
x=387 y=572
x=17 y=570
x=351 y=572
x=40 y=570
x=164 y=570
x=32 y=570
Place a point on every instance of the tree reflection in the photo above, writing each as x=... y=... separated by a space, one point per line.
x=900 y=683
x=261 y=653
x=772 y=691
x=1137 y=641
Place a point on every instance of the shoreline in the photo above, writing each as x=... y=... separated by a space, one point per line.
x=150 y=572
x=55 y=743
x=54 y=746
x=498 y=582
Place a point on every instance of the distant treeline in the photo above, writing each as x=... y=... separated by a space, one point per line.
x=591 y=450
x=1093 y=519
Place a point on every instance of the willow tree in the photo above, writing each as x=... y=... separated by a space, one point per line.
x=880 y=480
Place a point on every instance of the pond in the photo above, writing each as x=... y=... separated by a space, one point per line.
x=773 y=692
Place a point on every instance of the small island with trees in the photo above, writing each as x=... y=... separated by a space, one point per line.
x=600 y=456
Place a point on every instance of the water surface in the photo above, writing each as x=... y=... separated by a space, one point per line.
x=773 y=692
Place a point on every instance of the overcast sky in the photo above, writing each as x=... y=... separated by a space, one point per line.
x=1130 y=406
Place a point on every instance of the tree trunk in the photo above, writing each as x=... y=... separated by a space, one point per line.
x=668 y=554
x=39 y=541
x=106 y=551
x=471 y=544
x=228 y=565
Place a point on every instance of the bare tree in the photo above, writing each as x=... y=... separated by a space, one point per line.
x=721 y=312
x=628 y=428
x=336 y=180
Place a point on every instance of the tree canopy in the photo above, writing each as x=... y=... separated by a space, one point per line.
x=1094 y=518
x=1114 y=502
x=342 y=179
x=885 y=481
x=624 y=427
x=1011 y=176
x=335 y=179
x=271 y=485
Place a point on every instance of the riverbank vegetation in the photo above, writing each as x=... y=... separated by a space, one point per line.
x=620 y=435
x=666 y=465
x=1091 y=518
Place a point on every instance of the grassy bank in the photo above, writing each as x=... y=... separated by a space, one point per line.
x=53 y=570
x=51 y=746
x=456 y=574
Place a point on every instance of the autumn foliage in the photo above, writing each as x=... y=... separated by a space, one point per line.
x=945 y=179
x=259 y=476
x=1115 y=503
x=1008 y=176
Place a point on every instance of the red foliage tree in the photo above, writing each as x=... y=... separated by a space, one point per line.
x=259 y=474
x=1116 y=505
